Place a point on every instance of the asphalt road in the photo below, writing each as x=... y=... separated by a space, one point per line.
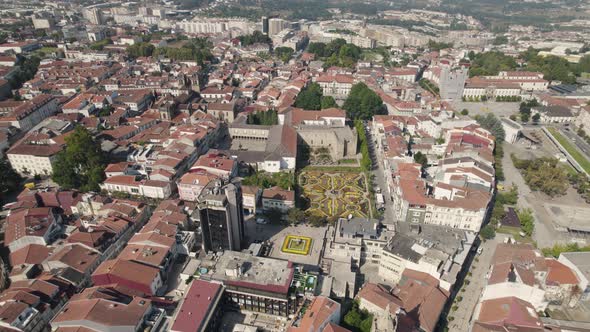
x=470 y=294
x=576 y=140
x=379 y=180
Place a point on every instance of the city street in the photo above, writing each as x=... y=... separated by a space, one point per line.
x=379 y=179
x=469 y=294
x=579 y=142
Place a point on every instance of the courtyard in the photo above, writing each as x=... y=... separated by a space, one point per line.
x=336 y=194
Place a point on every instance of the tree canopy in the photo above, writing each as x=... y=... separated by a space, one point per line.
x=9 y=179
x=437 y=46
x=295 y=216
x=257 y=37
x=362 y=103
x=527 y=221
x=336 y=53
x=557 y=249
x=267 y=180
x=81 y=164
x=328 y=102
x=284 y=53
x=487 y=232
x=553 y=68
x=142 y=49
x=312 y=98
x=26 y=72
x=525 y=109
x=490 y=63
x=493 y=124
x=421 y=159
x=366 y=163
x=500 y=40
x=543 y=174
x=195 y=49
x=357 y=319
x=265 y=118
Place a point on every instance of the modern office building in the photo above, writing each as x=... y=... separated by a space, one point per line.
x=257 y=284
x=265 y=25
x=276 y=25
x=93 y=15
x=221 y=216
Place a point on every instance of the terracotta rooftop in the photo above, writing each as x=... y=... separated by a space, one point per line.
x=197 y=306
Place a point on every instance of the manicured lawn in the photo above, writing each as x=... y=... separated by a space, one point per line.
x=294 y=244
x=572 y=150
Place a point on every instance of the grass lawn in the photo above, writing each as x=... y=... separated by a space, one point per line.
x=572 y=150
x=348 y=161
x=515 y=233
x=294 y=244
x=570 y=170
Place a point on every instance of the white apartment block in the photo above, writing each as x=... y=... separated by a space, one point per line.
x=31 y=112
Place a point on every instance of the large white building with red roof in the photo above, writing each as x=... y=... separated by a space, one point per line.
x=337 y=86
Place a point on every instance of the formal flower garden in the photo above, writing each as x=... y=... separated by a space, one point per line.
x=295 y=244
x=336 y=193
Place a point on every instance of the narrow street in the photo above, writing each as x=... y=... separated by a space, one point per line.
x=379 y=179
x=467 y=298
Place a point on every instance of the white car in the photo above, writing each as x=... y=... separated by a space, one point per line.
x=261 y=221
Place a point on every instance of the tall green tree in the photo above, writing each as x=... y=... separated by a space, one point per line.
x=81 y=164
x=328 y=102
x=336 y=53
x=490 y=63
x=421 y=159
x=284 y=53
x=527 y=221
x=362 y=103
x=295 y=216
x=9 y=179
x=310 y=98
x=142 y=49
x=493 y=124
x=488 y=232
x=257 y=37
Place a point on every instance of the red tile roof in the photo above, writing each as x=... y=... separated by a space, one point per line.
x=198 y=304
x=321 y=310
x=559 y=274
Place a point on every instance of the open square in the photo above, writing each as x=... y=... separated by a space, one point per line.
x=336 y=194
x=299 y=245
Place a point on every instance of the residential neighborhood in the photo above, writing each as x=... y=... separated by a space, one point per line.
x=294 y=166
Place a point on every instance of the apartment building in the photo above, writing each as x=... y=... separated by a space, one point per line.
x=30 y=113
x=35 y=154
x=434 y=250
x=357 y=240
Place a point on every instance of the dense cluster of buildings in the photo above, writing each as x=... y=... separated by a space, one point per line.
x=522 y=283
x=165 y=244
